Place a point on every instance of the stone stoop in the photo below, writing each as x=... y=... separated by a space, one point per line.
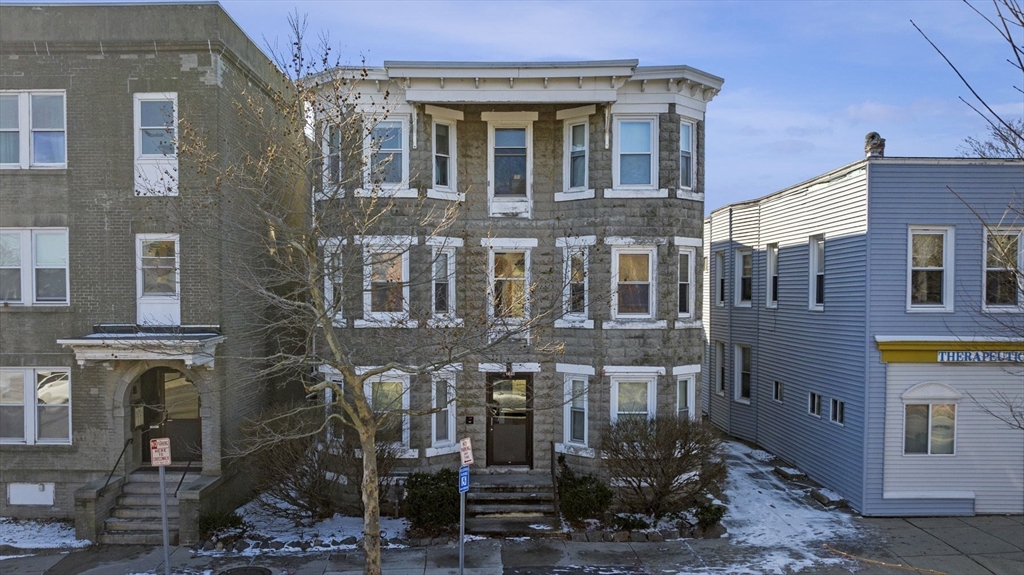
x=512 y=505
x=135 y=518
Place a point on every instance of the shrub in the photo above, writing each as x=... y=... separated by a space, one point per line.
x=627 y=522
x=581 y=496
x=708 y=514
x=432 y=501
x=664 y=464
x=218 y=523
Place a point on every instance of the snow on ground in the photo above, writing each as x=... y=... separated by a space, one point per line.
x=777 y=523
x=29 y=534
x=337 y=528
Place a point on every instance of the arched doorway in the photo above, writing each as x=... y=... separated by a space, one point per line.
x=170 y=408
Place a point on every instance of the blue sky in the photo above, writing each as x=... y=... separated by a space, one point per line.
x=804 y=80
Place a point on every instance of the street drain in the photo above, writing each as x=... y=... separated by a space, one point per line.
x=246 y=571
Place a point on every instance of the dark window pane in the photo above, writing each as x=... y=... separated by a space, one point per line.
x=634 y=298
x=386 y=167
x=441 y=171
x=745 y=385
x=819 y=289
x=12 y=422
x=684 y=298
x=10 y=150
x=1000 y=288
x=510 y=173
x=746 y=287
x=53 y=423
x=386 y=296
x=51 y=285
x=10 y=284
x=578 y=432
x=635 y=169
x=440 y=297
x=48 y=147
x=775 y=288
x=510 y=138
x=926 y=287
x=577 y=298
x=915 y=438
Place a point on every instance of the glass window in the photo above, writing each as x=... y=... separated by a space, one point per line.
x=35 y=405
x=578 y=156
x=928 y=268
x=32 y=129
x=386 y=283
x=10 y=132
x=720 y=275
x=509 y=280
x=333 y=274
x=10 y=266
x=686 y=272
x=773 y=274
x=47 y=128
x=159 y=267
x=685 y=155
x=777 y=391
x=156 y=127
x=633 y=281
x=387 y=397
x=683 y=386
x=510 y=162
x=444 y=416
x=34 y=264
x=635 y=153
x=720 y=365
x=929 y=429
x=632 y=399
x=444 y=282
x=1002 y=272
x=577 y=303
x=332 y=155
x=814 y=404
x=744 y=276
x=743 y=373
x=386 y=161
x=442 y=155
x=817 y=260
x=578 y=411
x=838 y=412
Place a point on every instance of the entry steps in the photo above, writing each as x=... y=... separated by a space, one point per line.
x=135 y=518
x=512 y=505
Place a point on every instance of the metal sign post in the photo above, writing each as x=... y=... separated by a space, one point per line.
x=160 y=456
x=463 y=488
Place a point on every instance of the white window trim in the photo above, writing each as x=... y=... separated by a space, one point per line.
x=450 y=445
x=930 y=393
x=720 y=381
x=771 y=264
x=651 y=190
x=155 y=174
x=813 y=271
x=738 y=277
x=693 y=157
x=403 y=378
x=692 y=291
x=639 y=376
x=139 y=240
x=451 y=191
x=737 y=358
x=400 y=190
x=567 y=410
x=447 y=247
x=652 y=270
x=27 y=239
x=719 y=276
x=948 y=251
x=575 y=319
x=25 y=160
x=385 y=244
x=817 y=404
x=31 y=405
x=330 y=189
x=498 y=205
x=832 y=411
x=333 y=246
x=570 y=118
x=1018 y=273
x=691 y=395
x=778 y=391
x=524 y=245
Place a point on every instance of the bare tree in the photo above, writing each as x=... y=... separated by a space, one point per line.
x=1005 y=140
x=315 y=183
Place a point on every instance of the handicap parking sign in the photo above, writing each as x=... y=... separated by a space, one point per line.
x=464 y=479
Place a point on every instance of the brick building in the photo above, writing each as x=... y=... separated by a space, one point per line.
x=118 y=320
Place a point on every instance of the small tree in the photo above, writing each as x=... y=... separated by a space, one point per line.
x=663 y=464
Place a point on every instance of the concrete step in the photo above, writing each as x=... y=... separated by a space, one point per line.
x=515 y=527
x=154 y=477
x=144 y=500
x=143 y=512
x=509 y=497
x=502 y=509
x=143 y=487
x=117 y=524
x=137 y=538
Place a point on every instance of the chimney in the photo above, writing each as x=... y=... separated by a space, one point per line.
x=874 y=145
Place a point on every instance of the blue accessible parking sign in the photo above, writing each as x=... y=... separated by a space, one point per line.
x=464 y=479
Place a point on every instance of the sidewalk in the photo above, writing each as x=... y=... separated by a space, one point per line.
x=986 y=545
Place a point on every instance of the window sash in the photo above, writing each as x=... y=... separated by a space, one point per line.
x=34 y=261
x=814 y=404
x=745 y=267
x=444 y=416
x=634 y=279
x=687 y=260
x=35 y=405
x=929 y=429
x=773 y=274
x=332 y=155
x=1003 y=269
x=33 y=129
x=837 y=411
x=743 y=372
x=509 y=272
x=576 y=155
x=575 y=293
x=576 y=411
x=443 y=140
x=636 y=147
x=443 y=284
x=927 y=268
x=817 y=261
x=685 y=155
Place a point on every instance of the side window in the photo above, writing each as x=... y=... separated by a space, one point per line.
x=444 y=146
x=687 y=176
x=744 y=277
x=386 y=157
x=32 y=129
x=156 y=144
x=443 y=424
x=685 y=398
x=930 y=269
x=576 y=410
x=635 y=152
x=816 y=246
x=742 y=371
x=772 y=281
x=720 y=278
x=687 y=272
x=720 y=367
x=1004 y=262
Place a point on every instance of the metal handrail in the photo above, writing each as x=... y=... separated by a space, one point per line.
x=554 y=481
x=114 y=468
x=182 y=480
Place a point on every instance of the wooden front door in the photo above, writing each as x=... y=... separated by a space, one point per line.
x=171 y=409
x=509 y=419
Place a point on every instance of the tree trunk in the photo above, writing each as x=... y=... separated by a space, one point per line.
x=371 y=502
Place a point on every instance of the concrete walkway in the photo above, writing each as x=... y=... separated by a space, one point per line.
x=983 y=545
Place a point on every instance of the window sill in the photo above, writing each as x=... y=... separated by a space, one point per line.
x=401 y=452
x=386 y=322
x=7 y=307
x=574 y=449
x=574 y=323
x=772 y=306
x=21 y=445
x=445 y=195
x=745 y=303
x=441 y=450
x=327 y=196
x=1002 y=309
x=571 y=195
x=445 y=322
x=389 y=193
x=689 y=194
x=49 y=170
x=626 y=193
x=689 y=324
x=498 y=331
x=744 y=401
x=929 y=310
x=509 y=208
x=816 y=308
x=635 y=324
x=928 y=495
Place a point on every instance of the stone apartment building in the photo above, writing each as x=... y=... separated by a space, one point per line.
x=119 y=321
x=577 y=198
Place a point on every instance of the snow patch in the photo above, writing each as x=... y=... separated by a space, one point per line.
x=30 y=534
x=759 y=455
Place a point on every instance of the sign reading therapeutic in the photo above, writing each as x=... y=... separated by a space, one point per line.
x=160 y=452
x=981 y=357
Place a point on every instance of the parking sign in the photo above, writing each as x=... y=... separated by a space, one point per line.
x=463 y=479
x=160 y=452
